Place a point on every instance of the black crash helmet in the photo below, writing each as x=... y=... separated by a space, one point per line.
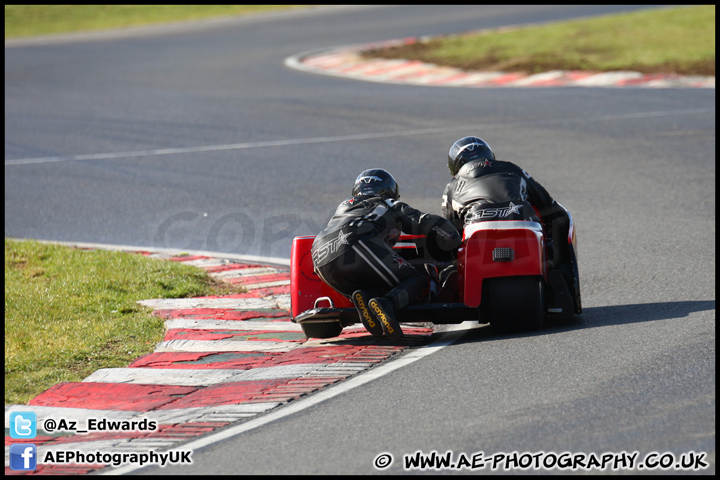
x=376 y=182
x=466 y=150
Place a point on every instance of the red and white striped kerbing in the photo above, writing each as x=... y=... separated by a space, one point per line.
x=347 y=62
x=223 y=360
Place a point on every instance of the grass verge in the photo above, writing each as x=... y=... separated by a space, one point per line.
x=70 y=312
x=31 y=20
x=665 y=40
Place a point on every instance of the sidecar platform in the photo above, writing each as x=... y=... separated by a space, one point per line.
x=328 y=322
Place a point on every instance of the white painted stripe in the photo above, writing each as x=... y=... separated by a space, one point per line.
x=313 y=370
x=326 y=61
x=249 y=325
x=478 y=78
x=205 y=262
x=246 y=272
x=203 y=302
x=283 y=300
x=224 y=346
x=438 y=78
x=255 y=286
x=609 y=78
x=210 y=376
x=163 y=376
x=187 y=376
x=539 y=77
x=454 y=333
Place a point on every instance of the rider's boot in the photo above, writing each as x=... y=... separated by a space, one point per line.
x=383 y=311
x=360 y=300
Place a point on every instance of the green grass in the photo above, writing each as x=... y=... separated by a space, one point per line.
x=70 y=312
x=665 y=40
x=31 y=20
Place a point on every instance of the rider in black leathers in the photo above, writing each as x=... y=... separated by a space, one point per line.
x=482 y=187
x=353 y=254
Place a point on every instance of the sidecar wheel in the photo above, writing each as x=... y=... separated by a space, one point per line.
x=513 y=304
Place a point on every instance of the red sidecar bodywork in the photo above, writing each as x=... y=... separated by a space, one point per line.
x=502 y=280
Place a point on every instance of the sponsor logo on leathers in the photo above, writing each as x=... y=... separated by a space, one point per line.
x=503 y=212
x=330 y=247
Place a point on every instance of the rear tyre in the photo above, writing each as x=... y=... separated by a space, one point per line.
x=513 y=304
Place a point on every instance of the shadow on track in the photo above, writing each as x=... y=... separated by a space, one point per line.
x=604 y=316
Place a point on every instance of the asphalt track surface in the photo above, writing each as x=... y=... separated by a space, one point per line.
x=201 y=138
